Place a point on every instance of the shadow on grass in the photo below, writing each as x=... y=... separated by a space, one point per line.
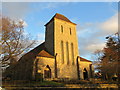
x=55 y=83
x=18 y=83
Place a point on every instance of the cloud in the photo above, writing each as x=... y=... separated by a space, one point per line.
x=21 y=9
x=40 y=36
x=93 y=47
x=24 y=22
x=110 y=25
x=87 y=46
x=51 y=5
x=15 y=9
x=91 y=36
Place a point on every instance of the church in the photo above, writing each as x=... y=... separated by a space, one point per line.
x=56 y=58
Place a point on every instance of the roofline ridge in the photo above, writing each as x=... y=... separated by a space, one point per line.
x=56 y=16
x=84 y=59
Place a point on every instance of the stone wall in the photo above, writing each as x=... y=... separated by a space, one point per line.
x=65 y=70
x=49 y=38
x=43 y=62
x=82 y=65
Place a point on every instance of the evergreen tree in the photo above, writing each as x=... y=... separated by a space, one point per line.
x=109 y=57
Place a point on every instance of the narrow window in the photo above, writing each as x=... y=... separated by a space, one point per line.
x=67 y=52
x=70 y=31
x=62 y=52
x=61 y=28
x=72 y=51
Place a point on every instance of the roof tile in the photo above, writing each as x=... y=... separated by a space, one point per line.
x=83 y=59
x=61 y=17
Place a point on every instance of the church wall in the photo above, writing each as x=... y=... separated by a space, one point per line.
x=49 y=37
x=67 y=66
x=43 y=62
x=82 y=65
x=22 y=70
x=65 y=70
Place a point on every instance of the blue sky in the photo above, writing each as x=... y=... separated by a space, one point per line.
x=95 y=20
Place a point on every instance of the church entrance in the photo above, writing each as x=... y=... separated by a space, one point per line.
x=47 y=72
x=85 y=74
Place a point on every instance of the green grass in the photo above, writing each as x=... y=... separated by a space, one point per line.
x=50 y=83
x=32 y=84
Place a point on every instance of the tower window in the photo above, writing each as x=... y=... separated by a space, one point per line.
x=70 y=31
x=61 y=28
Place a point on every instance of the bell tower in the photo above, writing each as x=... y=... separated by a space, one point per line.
x=61 y=39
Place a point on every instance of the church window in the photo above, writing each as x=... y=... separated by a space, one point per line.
x=67 y=52
x=61 y=28
x=72 y=51
x=70 y=31
x=62 y=52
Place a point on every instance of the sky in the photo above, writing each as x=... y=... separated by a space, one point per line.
x=95 y=20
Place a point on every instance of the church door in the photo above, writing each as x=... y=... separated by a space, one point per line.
x=47 y=72
x=85 y=74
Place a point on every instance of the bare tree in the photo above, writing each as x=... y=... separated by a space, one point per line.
x=97 y=59
x=13 y=41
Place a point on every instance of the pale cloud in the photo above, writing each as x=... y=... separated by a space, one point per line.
x=89 y=45
x=40 y=36
x=51 y=5
x=24 y=23
x=39 y=39
x=15 y=9
x=93 y=47
x=91 y=36
x=110 y=25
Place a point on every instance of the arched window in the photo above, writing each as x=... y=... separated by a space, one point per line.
x=70 y=31
x=72 y=51
x=62 y=52
x=67 y=52
x=61 y=28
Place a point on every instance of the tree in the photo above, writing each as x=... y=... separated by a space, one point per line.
x=109 y=58
x=97 y=59
x=14 y=42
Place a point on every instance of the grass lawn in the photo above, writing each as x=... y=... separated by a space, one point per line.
x=32 y=84
x=18 y=84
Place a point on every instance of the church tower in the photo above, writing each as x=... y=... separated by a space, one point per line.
x=61 y=41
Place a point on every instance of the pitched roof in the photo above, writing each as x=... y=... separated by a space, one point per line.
x=39 y=50
x=83 y=59
x=61 y=17
x=34 y=53
x=44 y=53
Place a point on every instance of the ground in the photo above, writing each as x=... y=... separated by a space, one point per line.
x=28 y=85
